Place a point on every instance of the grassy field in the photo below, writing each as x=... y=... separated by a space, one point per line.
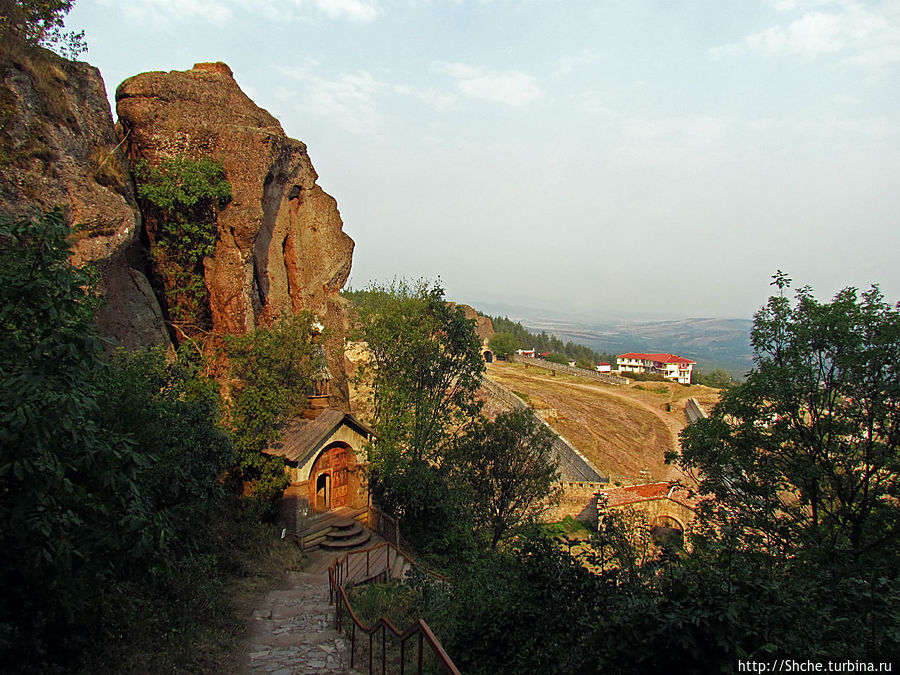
x=623 y=430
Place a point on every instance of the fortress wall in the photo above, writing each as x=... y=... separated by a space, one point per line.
x=569 y=370
x=573 y=466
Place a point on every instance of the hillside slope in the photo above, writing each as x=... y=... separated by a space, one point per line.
x=623 y=430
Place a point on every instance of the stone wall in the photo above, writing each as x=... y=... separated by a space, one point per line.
x=693 y=411
x=577 y=499
x=573 y=466
x=569 y=370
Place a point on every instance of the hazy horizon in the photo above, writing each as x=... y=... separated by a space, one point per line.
x=633 y=158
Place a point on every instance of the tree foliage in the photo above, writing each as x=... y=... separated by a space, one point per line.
x=506 y=468
x=805 y=453
x=105 y=467
x=40 y=23
x=427 y=367
x=271 y=372
x=504 y=344
x=718 y=379
x=542 y=342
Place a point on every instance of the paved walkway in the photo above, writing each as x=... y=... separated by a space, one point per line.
x=291 y=631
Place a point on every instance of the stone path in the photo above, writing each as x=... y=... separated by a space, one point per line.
x=292 y=631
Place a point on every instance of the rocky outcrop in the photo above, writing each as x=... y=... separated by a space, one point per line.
x=58 y=148
x=484 y=327
x=280 y=247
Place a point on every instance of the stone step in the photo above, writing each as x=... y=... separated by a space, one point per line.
x=352 y=529
x=330 y=544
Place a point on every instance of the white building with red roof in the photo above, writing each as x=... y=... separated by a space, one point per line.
x=670 y=366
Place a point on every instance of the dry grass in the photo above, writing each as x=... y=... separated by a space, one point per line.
x=623 y=430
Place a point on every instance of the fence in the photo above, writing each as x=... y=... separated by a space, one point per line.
x=388 y=528
x=569 y=370
x=573 y=466
x=356 y=567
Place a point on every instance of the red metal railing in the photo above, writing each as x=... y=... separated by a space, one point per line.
x=356 y=567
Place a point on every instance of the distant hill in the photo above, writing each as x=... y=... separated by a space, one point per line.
x=712 y=343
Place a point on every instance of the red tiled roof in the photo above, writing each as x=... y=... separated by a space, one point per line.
x=603 y=363
x=662 y=358
x=634 y=494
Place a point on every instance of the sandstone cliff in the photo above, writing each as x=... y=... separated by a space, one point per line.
x=280 y=247
x=484 y=327
x=58 y=148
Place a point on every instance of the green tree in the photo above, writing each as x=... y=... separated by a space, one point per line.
x=427 y=367
x=717 y=378
x=503 y=344
x=805 y=453
x=271 y=374
x=104 y=467
x=506 y=468
x=40 y=23
x=561 y=359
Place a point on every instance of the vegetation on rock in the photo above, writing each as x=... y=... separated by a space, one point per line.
x=181 y=198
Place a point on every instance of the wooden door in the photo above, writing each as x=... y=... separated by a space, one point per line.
x=333 y=462
x=339 y=477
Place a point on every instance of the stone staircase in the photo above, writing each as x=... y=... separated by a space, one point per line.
x=292 y=631
x=335 y=531
x=345 y=535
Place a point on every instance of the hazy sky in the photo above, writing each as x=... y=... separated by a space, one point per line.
x=601 y=157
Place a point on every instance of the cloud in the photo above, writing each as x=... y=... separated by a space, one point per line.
x=164 y=11
x=356 y=10
x=511 y=87
x=865 y=35
x=350 y=98
x=220 y=11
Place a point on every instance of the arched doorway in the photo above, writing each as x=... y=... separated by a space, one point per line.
x=323 y=492
x=329 y=477
x=488 y=356
x=667 y=532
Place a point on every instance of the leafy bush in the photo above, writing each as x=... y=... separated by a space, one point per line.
x=106 y=467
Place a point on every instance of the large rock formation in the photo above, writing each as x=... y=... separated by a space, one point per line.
x=484 y=327
x=280 y=248
x=58 y=148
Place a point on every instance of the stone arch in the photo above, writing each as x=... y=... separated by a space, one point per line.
x=667 y=520
x=487 y=355
x=329 y=477
x=667 y=531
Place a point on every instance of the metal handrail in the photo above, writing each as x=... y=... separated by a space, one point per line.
x=339 y=575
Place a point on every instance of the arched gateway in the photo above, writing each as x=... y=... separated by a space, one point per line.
x=323 y=457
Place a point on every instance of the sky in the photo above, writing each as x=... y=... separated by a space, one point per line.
x=600 y=158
